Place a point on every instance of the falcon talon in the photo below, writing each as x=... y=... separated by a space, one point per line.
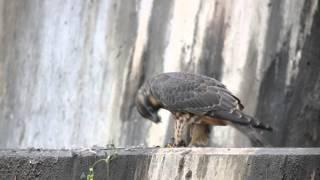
x=194 y=99
x=169 y=146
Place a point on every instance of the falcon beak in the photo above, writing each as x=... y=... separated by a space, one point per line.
x=155 y=118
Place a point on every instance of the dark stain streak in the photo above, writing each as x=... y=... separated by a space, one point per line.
x=292 y=109
x=188 y=175
x=271 y=94
x=211 y=60
x=180 y=168
x=125 y=42
x=202 y=167
x=304 y=106
x=142 y=167
x=249 y=71
x=129 y=93
x=274 y=95
x=304 y=14
x=151 y=63
x=182 y=59
x=157 y=41
x=122 y=37
x=181 y=165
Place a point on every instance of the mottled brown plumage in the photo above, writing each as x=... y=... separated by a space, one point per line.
x=196 y=101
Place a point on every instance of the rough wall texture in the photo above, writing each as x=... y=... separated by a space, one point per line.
x=156 y=164
x=69 y=69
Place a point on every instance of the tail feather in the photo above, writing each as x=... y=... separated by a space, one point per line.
x=238 y=117
x=257 y=140
x=246 y=124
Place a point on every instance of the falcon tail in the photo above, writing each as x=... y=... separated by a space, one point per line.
x=247 y=125
x=257 y=140
x=238 y=117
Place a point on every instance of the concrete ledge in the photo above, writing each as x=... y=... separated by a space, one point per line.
x=163 y=163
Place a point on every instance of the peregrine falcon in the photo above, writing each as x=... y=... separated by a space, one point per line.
x=195 y=101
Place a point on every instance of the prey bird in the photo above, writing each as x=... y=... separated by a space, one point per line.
x=196 y=102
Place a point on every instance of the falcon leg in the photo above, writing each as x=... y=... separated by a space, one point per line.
x=181 y=135
x=199 y=135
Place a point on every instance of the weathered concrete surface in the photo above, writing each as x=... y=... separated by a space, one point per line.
x=159 y=163
x=69 y=70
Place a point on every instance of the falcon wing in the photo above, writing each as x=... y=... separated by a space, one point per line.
x=183 y=92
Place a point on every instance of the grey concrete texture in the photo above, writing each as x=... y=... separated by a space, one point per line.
x=163 y=163
x=69 y=70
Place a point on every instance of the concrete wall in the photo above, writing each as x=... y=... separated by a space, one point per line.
x=69 y=69
x=166 y=164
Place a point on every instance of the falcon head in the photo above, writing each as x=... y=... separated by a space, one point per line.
x=147 y=105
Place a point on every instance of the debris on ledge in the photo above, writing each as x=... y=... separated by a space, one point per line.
x=162 y=163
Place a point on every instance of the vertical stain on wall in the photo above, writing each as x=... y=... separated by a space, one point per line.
x=202 y=167
x=123 y=33
x=288 y=107
x=152 y=63
x=272 y=106
x=211 y=60
x=157 y=33
x=304 y=108
x=152 y=58
x=271 y=94
x=249 y=79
